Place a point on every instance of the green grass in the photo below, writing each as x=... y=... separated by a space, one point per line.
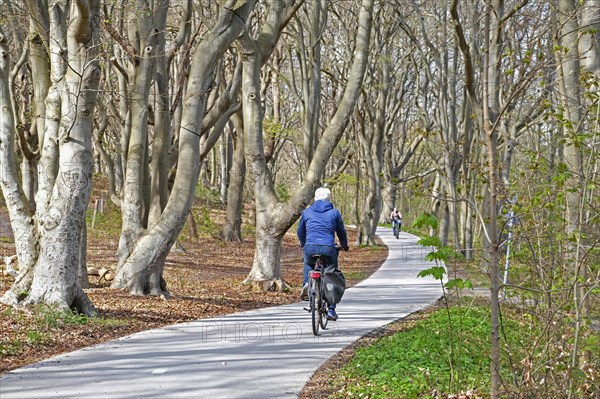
x=11 y=348
x=50 y=317
x=35 y=337
x=356 y=275
x=413 y=363
x=371 y=247
x=107 y=223
x=207 y=196
x=39 y=326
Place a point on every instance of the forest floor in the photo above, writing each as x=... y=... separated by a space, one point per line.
x=204 y=277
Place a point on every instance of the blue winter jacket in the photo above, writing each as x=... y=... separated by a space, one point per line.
x=319 y=223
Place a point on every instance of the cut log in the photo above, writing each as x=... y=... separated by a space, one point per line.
x=103 y=273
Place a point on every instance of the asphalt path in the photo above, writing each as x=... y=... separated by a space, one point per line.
x=263 y=353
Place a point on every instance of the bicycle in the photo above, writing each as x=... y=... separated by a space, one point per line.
x=317 y=304
x=396 y=228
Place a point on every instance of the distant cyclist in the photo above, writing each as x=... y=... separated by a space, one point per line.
x=396 y=218
x=317 y=229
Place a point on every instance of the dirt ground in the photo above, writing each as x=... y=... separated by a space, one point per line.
x=204 y=277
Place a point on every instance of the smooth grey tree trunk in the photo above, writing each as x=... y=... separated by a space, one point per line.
x=311 y=82
x=142 y=59
x=274 y=218
x=572 y=101
x=161 y=142
x=225 y=161
x=141 y=270
x=490 y=115
x=21 y=215
x=373 y=146
x=232 y=229
x=56 y=275
x=105 y=157
x=66 y=166
x=371 y=140
x=589 y=40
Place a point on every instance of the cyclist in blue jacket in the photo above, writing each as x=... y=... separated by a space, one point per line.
x=317 y=229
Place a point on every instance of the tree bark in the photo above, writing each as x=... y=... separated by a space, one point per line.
x=141 y=271
x=489 y=119
x=589 y=41
x=21 y=215
x=232 y=229
x=66 y=162
x=373 y=147
x=571 y=98
x=161 y=141
x=274 y=218
x=311 y=82
x=134 y=205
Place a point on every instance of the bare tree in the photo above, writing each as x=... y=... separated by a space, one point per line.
x=56 y=230
x=141 y=271
x=273 y=217
x=232 y=227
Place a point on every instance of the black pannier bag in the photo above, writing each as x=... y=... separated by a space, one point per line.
x=334 y=284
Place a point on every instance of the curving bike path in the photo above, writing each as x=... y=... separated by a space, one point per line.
x=264 y=353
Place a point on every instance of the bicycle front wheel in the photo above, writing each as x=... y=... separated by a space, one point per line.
x=315 y=306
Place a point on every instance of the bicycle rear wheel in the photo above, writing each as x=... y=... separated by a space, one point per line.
x=323 y=311
x=315 y=305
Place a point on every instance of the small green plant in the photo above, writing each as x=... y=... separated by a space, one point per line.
x=11 y=348
x=208 y=196
x=440 y=254
x=206 y=224
x=282 y=192
x=38 y=338
x=75 y=318
x=52 y=317
x=416 y=362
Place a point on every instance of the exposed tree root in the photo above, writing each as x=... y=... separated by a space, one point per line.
x=274 y=285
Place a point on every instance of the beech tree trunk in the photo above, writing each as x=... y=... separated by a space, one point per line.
x=66 y=166
x=274 y=218
x=232 y=229
x=373 y=145
x=141 y=270
x=21 y=215
x=161 y=142
x=575 y=186
x=311 y=71
x=135 y=206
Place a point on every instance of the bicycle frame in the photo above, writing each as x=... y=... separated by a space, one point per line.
x=318 y=306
